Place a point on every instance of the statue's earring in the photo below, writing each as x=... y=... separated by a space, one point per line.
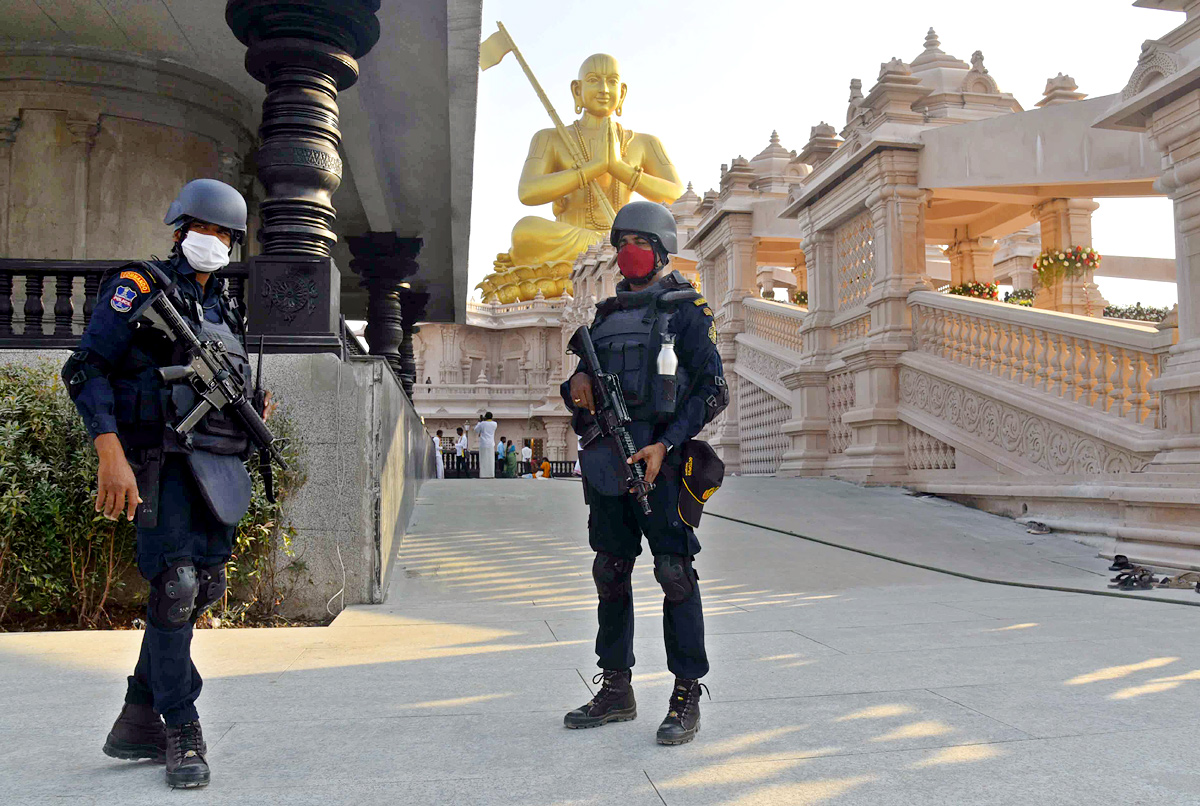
x=619 y=107
x=578 y=107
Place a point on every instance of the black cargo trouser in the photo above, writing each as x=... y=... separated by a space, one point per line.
x=616 y=525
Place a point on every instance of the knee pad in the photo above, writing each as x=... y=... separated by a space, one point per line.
x=173 y=596
x=612 y=575
x=675 y=574
x=211 y=587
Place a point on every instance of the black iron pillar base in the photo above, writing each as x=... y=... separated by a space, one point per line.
x=412 y=309
x=294 y=303
x=385 y=261
x=305 y=53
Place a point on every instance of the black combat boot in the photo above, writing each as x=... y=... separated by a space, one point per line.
x=683 y=713
x=186 y=767
x=614 y=702
x=137 y=733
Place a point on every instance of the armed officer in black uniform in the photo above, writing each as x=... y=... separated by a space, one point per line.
x=656 y=332
x=188 y=493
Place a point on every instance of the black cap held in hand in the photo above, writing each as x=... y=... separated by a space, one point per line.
x=702 y=474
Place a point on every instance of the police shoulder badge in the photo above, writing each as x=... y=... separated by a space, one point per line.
x=712 y=333
x=138 y=280
x=708 y=311
x=122 y=299
x=699 y=301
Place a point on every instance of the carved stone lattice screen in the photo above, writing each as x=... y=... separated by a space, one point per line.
x=925 y=452
x=841 y=400
x=719 y=285
x=854 y=260
x=761 y=420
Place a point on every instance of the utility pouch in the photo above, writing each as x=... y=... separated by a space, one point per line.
x=147 y=471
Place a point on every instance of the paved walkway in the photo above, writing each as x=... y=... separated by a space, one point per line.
x=837 y=678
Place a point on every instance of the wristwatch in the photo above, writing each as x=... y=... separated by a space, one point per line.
x=666 y=443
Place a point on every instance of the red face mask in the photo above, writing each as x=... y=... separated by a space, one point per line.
x=634 y=262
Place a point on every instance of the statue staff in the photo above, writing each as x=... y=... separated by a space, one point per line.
x=495 y=48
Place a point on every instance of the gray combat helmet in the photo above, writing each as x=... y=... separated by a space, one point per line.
x=210 y=200
x=647 y=218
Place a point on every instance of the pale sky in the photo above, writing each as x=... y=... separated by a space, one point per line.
x=712 y=78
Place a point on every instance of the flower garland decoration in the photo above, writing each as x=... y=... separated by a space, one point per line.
x=1068 y=263
x=976 y=290
x=1022 y=296
x=800 y=298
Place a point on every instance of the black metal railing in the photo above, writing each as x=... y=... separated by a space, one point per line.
x=470 y=469
x=46 y=304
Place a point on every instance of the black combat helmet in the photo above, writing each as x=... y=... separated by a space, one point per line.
x=651 y=220
x=210 y=200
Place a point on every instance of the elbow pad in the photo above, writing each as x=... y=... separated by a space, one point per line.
x=716 y=403
x=81 y=367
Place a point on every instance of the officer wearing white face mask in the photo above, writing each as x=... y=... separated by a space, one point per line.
x=188 y=494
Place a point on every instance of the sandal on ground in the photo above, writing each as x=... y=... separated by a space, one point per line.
x=1037 y=528
x=1188 y=579
x=1138 y=578
x=1120 y=563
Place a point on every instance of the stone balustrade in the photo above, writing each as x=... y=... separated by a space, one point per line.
x=776 y=322
x=1105 y=367
x=26 y=286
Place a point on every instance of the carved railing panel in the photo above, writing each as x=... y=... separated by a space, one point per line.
x=1105 y=368
x=1023 y=434
x=760 y=426
x=854 y=260
x=853 y=330
x=776 y=322
x=841 y=399
x=925 y=452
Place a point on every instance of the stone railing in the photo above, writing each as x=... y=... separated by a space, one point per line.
x=28 y=286
x=776 y=322
x=1106 y=367
x=480 y=391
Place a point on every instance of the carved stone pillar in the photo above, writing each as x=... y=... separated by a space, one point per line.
x=8 y=136
x=304 y=53
x=809 y=385
x=556 y=439
x=1175 y=128
x=971 y=261
x=412 y=310
x=1068 y=223
x=877 y=452
x=83 y=137
x=384 y=261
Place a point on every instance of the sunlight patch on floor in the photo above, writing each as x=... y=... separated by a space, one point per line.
x=1117 y=672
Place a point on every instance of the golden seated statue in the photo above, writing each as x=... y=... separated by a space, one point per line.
x=615 y=161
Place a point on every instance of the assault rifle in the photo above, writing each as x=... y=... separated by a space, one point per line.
x=611 y=415
x=209 y=372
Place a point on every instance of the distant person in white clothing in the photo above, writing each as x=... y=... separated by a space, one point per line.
x=437 y=452
x=526 y=459
x=486 y=429
x=460 y=454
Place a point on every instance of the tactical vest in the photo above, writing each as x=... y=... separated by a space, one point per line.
x=146 y=408
x=629 y=333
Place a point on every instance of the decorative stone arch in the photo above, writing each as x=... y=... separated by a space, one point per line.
x=1155 y=64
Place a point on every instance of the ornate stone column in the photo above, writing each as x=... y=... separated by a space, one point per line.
x=809 y=385
x=305 y=54
x=83 y=137
x=1175 y=128
x=384 y=261
x=1067 y=223
x=877 y=453
x=412 y=310
x=8 y=136
x=971 y=260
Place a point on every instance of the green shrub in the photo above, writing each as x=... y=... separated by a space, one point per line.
x=59 y=559
x=1137 y=312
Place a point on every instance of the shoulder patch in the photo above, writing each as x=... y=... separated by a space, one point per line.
x=707 y=311
x=138 y=280
x=699 y=301
x=712 y=333
x=122 y=299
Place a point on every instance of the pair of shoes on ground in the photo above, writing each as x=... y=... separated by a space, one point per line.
x=614 y=702
x=139 y=733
